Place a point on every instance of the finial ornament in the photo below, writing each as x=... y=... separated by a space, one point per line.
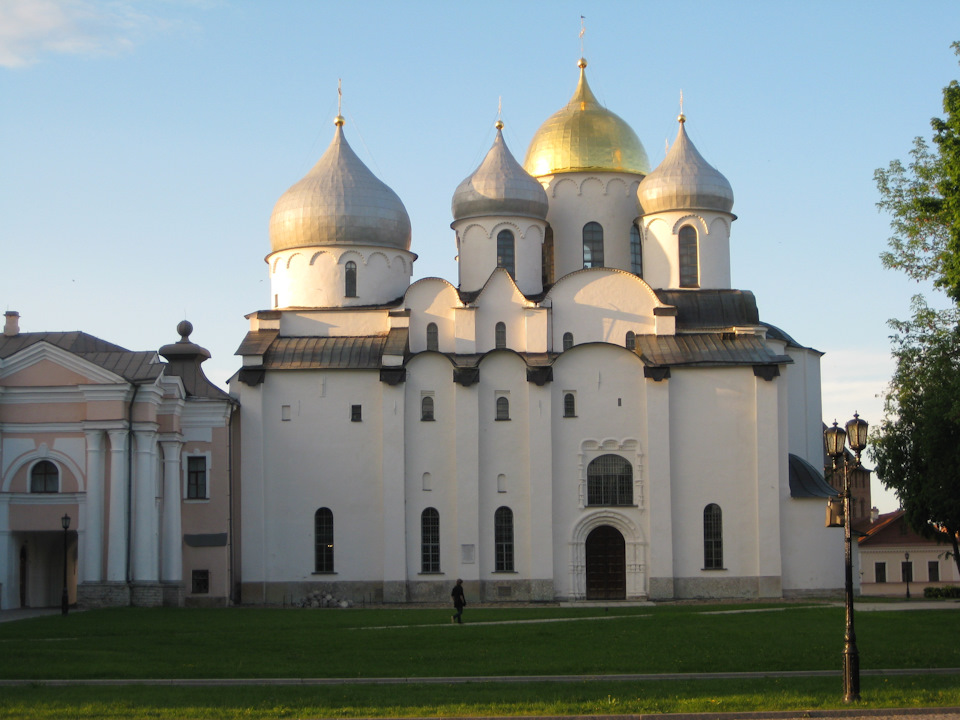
x=338 y=120
x=582 y=31
x=681 y=118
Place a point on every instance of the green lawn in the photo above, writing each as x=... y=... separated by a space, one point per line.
x=134 y=643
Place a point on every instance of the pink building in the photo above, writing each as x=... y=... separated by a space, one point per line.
x=135 y=451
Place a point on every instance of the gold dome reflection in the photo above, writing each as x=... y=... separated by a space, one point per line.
x=584 y=135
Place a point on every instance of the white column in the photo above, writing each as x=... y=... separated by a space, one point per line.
x=171 y=552
x=393 y=464
x=91 y=539
x=658 y=495
x=540 y=522
x=146 y=560
x=467 y=487
x=771 y=470
x=117 y=542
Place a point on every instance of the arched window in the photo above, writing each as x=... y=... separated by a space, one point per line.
x=503 y=408
x=426 y=408
x=631 y=340
x=546 y=261
x=503 y=539
x=712 y=537
x=609 y=481
x=433 y=337
x=505 y=252
x=592 y=245
x=500 y=335
x=430 y=541
x=569 y=405
x=636 y=251
x=567 y=340
x=689 y=263
x=350 y=279
x=44 y=478
x=323 y=541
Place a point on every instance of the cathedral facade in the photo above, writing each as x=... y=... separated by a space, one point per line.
x=590 y=412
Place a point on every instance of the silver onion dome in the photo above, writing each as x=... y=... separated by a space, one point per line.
x=500 y=186
x=339 y=202
x=684 y=181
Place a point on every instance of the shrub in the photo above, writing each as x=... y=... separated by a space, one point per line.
x=947 y=591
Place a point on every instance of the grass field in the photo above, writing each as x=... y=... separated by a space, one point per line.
x=133 y=644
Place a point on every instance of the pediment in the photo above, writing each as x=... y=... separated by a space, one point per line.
x=46 y=365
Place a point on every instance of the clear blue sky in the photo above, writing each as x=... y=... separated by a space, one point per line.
x=143 y=143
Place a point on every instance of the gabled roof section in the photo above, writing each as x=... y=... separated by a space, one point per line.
x=132 y=366
x=333 y=353
x=806 y=481
x=711 y=309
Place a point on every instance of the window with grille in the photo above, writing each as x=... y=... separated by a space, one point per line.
x=636 y=251
x=350 y=279
x=200 y=582
x=196 y=477
x=356 y=413
x=546 y=261
x=503 y=539
x=880 y=572
x=609 y=481
x=712 y=537
x=592 y=245
x=689 y=261
x=631 y=340
x=569 y=405
x=430 y=541
x=426 y=408
x=500 y=335
x=44 y=478
x=567 y=340
x=323 y=541
x=505 y=252
x=433 y=337
x=503 y=408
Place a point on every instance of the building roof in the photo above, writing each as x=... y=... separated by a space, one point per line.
x=806 y=481
x=339 y=202
x=184 y=359
x=499 y=186
x=702 y=309
x=706 y=349
x=684 y=181
x=133 y=366
x=584 y=135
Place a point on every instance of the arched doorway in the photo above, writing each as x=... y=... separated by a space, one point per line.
x=606 y=564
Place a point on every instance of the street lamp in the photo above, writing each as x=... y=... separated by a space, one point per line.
x=65 y=598
x=907 y=572
x=835 y=438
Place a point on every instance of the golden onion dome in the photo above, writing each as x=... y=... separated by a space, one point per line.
x=584 y=135
x=499 y=186
x=339 y=202
x=684 y=181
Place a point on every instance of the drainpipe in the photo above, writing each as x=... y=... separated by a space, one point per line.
x=133 y=399
x=231 y=594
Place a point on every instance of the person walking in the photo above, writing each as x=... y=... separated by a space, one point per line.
x=458 y=601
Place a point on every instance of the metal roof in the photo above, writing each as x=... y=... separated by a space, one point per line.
x=700 y=309
x=133 y=366
x=707 y=349
x=806 y=481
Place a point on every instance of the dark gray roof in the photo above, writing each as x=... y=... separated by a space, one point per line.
x=806 y=481
x=702 y=309
x=310 y=353
x=133 y=366
x=707 y=349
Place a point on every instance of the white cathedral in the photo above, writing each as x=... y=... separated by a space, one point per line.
x=590 y=413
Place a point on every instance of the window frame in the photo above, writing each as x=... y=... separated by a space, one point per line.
x=636 y=250
x=433 y=337
x=199 y=582
x=502 y=408
x=933 y=571
x=429 y=541
x=569 y=405
x=500 y=335
x=323 y=541
x=503 y=552
x=41 y=471
x=567 y=341
x=880 y=572
x=192 y=490
x=350 y=279
x=507 y=252
x=356 y=413
x=609 y=486
x=630 y=340
x=592 y=235
x=688 y=256
x=427 y=406
x=712 y=537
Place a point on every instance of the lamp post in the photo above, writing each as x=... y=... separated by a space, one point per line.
x=65 y=598
x=835 y=439
x=907 y=572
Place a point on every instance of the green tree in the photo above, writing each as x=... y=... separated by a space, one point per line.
x=917 y=445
